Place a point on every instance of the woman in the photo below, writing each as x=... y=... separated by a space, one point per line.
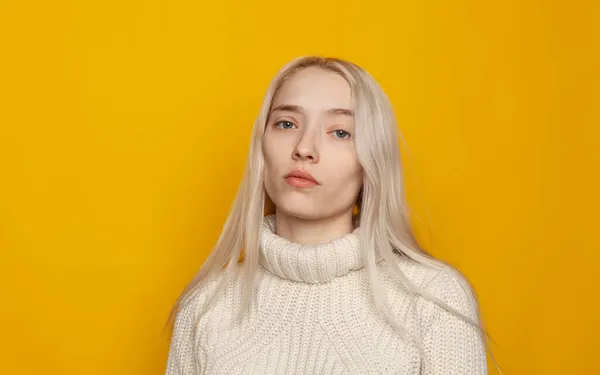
x=332 y=278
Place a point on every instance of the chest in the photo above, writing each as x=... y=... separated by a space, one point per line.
x=298 y=331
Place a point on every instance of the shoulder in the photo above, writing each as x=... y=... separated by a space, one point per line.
x=419 y=274
x=197 y=298
x=454 y=289
x=190 y=319
x=215 y=294
x=451 y=343
x=441 y=281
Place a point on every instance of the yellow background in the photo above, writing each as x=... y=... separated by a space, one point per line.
x=125 y=127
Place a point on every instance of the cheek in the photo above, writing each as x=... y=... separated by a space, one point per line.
x=354 y=176
x=273 y=146
x=345 y=181
x=346 y=173
x=273 y=156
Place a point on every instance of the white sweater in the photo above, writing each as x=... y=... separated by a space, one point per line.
x=312 y=313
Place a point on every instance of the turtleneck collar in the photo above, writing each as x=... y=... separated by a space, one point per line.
x=309 y=263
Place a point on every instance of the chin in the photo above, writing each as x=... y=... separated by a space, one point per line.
x=299 y=210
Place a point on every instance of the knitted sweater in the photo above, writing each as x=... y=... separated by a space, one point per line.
x=312 y=313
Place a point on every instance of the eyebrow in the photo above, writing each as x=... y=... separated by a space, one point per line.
x=299 y=109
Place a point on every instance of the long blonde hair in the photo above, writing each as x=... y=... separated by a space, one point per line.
x=382 y=211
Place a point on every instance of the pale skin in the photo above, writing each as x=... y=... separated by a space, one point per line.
x=311 y=128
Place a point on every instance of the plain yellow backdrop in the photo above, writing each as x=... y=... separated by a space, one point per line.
x=124 y=128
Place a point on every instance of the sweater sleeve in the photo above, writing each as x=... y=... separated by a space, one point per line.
x=451 y=345
x=182 y=359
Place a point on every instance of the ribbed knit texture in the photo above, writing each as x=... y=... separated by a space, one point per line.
x=313 y=313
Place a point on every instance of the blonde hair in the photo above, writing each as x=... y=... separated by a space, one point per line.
x=382 y=211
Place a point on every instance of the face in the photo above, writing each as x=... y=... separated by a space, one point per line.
x=310 y=131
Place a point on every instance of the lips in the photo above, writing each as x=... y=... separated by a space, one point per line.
x=300 y=178
x=302 y=174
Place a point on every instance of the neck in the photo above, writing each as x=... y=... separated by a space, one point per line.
x=313 y=231
x=316 y=263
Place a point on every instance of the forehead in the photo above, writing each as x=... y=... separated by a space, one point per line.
x=315 y=88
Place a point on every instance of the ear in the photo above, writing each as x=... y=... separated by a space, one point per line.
x=359 y=198
x=358 y=204
x=269 y=205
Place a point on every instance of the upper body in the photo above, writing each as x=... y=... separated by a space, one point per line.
x=323 y=146
x=312 y=313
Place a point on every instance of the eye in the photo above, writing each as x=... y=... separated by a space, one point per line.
x=284 y=124
x=341 y=134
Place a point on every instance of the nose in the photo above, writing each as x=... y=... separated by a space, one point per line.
x=306 y=148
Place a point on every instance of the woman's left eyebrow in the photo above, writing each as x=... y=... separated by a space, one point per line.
x=340 y=111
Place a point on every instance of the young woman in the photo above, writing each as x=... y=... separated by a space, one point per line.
x=332 y=279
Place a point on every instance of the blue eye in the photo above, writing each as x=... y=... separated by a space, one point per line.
x=286 y=124
x=342 y=134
